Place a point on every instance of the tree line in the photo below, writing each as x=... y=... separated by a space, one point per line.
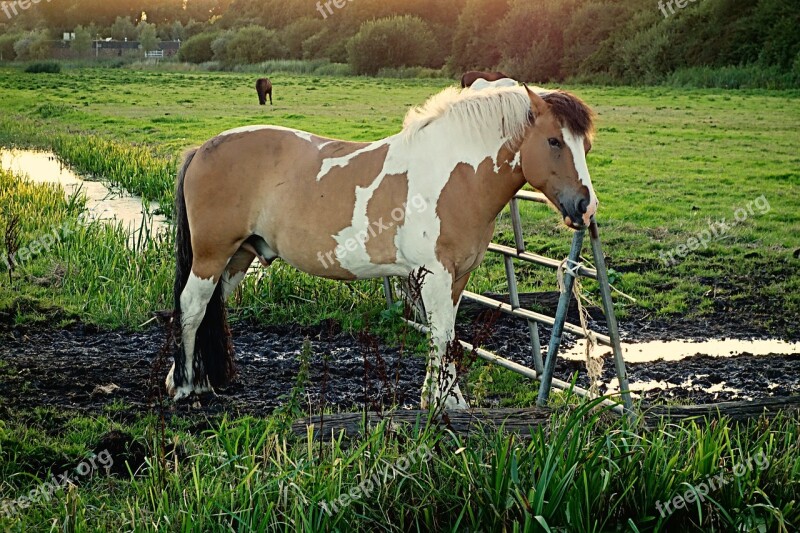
x=622 y=41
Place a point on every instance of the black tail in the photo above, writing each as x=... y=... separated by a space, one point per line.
x=213 y=357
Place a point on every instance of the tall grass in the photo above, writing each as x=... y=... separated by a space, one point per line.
x=585 y=471
x=743 y=77
x=125 y=278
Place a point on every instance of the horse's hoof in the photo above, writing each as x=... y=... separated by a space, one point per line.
x=454 y=403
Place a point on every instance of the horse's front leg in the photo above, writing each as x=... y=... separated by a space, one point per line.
x=440 y=383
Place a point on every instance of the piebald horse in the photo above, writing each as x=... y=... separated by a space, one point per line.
x=424 y=199
x=470 y=77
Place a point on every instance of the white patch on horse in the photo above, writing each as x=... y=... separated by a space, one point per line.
x=481 y=84
x=576 y=146
x=306 y=136
x=244 y=129
x=330 y=163
x=517 y=160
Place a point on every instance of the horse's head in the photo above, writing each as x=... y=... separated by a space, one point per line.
x=553 y=154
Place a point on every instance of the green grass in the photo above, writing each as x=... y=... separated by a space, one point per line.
x=585 y=471
x=665 y=163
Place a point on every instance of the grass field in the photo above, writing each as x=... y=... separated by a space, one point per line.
x=666 y=163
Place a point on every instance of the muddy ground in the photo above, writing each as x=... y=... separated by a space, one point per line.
x=84 y=369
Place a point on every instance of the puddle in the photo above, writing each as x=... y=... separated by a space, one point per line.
x=103 y=203
x=647 y=352
x=688 y=385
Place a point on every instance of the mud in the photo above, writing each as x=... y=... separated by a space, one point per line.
x=83 y=369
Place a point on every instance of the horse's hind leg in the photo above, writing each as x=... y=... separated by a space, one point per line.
x=270 y=97
x=197 y=294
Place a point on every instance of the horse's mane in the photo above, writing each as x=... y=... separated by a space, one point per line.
x=503 y=108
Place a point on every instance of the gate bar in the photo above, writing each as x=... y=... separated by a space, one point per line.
x=611 y=318
x=561 y=318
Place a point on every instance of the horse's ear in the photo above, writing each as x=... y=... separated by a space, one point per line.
x=538 y=105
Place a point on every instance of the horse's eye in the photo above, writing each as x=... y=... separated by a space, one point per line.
x=554 y=143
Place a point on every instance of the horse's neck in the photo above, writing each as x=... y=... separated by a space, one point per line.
x=502 y=182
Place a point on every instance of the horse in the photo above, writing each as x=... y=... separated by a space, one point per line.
x=264 y=88
x=421 y=202
x=469 y=77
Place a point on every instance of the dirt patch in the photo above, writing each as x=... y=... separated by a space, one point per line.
x=81 y=368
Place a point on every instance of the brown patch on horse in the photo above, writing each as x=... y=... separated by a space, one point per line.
x=467 y=209
x=391 y=195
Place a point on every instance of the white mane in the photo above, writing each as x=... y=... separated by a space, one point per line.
x=489 y=110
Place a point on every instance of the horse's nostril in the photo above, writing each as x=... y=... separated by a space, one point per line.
x=583 y=204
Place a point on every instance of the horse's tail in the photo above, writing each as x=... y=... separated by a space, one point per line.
x=464 y=81
x=213 y=353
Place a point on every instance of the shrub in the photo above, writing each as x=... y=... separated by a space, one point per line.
x=7 y=41
x=219 y=46
x=391 y=42
x=254 y=44
x=48 y=67
x=33 y=45
x=197 y=49
x=297 y=32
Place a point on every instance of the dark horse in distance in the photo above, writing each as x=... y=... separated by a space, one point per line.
x=469 y=78
x=264 y=88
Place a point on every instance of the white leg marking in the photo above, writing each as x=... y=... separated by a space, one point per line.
x=440 y=386
x=194 y=299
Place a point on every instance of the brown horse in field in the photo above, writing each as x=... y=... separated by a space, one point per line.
x=469 y=77
x=423 y=202
x=264 y=88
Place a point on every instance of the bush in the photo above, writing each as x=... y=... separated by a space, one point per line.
x=254 y=44
x=197 y=49
x=33 y=45
x=7 y=41
x=219 y=46
x=297 y=32
x=391 y=42
x=48 y=67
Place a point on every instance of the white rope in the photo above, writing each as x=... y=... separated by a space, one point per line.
x=594 y=361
